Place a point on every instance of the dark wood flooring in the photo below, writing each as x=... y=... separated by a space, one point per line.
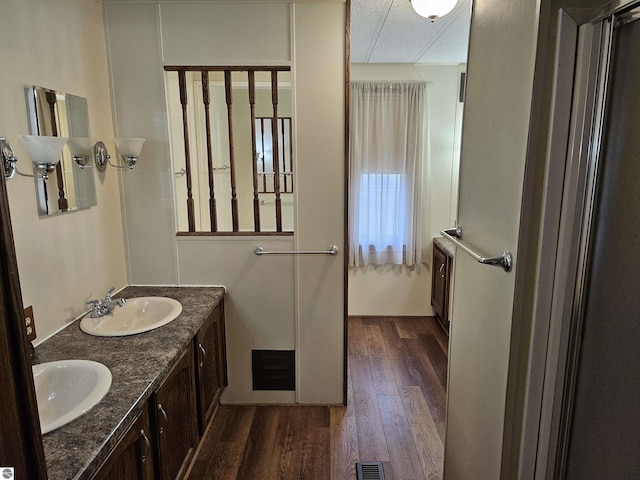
x=395 y=415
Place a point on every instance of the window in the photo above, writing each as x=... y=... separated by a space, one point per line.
x=388 y=146
x=381 y=217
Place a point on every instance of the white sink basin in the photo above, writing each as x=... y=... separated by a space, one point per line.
x=67 y=389
x=138 y=315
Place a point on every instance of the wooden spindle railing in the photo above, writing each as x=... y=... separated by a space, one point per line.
x=284 y=154
x=63 y=203
x=264 y=164
x=191 y=217
x=291 y=152
x=206 y=100
x=254 y=155
x=281 y=165
x=274 y=141
x=232 y=160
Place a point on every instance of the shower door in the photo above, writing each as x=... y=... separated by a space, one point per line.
x=601 y=416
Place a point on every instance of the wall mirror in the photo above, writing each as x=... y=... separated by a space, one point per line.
x=72 y=186
x=232 y=149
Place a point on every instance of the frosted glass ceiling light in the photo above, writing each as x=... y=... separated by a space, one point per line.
x=433 y=9
x=44 y=152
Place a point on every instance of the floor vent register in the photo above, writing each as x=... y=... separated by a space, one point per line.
x=369 y=471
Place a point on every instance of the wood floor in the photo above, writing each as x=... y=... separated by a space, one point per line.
x=395 y=415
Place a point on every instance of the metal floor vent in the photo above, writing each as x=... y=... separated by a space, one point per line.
x=369 y=471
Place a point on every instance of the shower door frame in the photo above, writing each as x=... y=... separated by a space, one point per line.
x=545 y=457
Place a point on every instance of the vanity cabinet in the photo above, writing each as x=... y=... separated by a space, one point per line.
x=440 y=284
x=166 y=430
x=175 y=423
x=210 y=357
x=132 y=458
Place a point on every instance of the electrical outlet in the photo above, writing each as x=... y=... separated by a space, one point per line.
x=30 y=323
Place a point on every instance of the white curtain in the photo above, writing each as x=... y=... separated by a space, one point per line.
x=388 y=155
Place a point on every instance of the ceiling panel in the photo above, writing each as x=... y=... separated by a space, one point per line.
x=389 y=31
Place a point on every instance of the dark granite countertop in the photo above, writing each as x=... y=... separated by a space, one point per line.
x=138 y=364
x=446 y=245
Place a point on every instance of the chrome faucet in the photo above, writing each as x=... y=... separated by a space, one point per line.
x=100 y=308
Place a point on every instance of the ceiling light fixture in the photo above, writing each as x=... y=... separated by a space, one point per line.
x=433 y=9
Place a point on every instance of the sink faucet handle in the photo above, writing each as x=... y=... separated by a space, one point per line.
x=108 y=294
x=93 y=302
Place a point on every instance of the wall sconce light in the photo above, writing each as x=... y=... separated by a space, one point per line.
x=44 y=153
x=433 y=9
x=129 y=149
x=8 y=159
x=80 y=149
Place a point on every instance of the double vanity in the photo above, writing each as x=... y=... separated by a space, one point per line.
x=164 y=388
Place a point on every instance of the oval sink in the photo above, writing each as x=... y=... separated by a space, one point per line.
x=138 y=315
x=67 y=389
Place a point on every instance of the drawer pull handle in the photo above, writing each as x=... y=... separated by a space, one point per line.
x=147 y=444
x=204 y=354
x=164 y=414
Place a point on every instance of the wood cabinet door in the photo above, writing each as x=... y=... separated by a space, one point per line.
x=175 y=426
x=209 y=387
x=211 y=365
x=132 y=458
x=439 y=275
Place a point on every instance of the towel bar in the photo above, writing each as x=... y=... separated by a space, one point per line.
x=505 y=260
x=333 y=250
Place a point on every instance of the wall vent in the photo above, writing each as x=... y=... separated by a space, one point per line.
x=369 y=471
x=274 y=369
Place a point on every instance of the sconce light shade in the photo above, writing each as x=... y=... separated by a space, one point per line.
x=433 y=9
x=129 y=149
x=44 y=152
x=80 y=149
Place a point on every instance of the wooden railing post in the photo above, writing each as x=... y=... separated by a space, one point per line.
x=254 y=156
x=182 y=81
x=274 y=141
x=63 y=203
x=206 y=100
x=232 y=161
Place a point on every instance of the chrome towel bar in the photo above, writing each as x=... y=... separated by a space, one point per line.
x=505 y=260
x=333 y=250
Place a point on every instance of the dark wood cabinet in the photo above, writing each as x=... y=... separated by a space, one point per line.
x=440 y=285
x=211 y=365
x=163 y=438
x=132 y=458
x=175 y=419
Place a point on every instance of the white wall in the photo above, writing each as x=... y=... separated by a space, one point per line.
x=67 y=259
x=276 y=302
x=399 y=291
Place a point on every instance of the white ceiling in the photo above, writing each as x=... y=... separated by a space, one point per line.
x=390 y=31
